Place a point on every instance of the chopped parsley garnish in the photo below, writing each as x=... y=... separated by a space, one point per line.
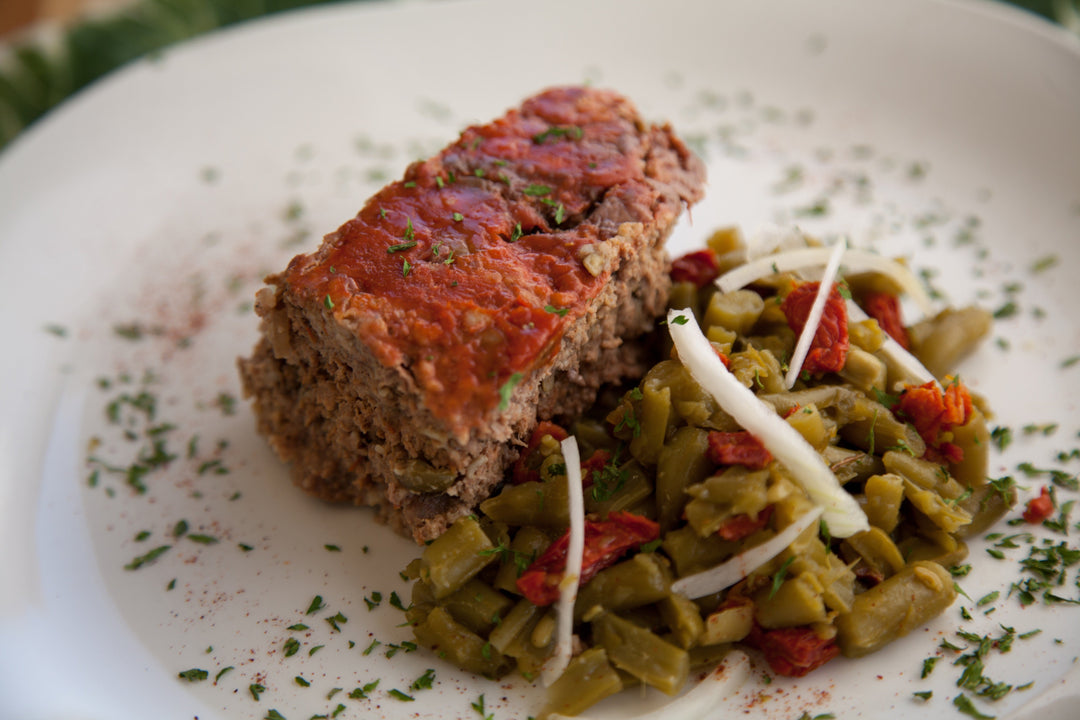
x=333 y=548
x=405 y=268
x=222 y=672
x=202 y=539
x=561 y=312
x=256 y=689
x=425 y=681
x=536 y=190
x=337 y=620
x=291 y=647
x=398 y=695
x=315 y=606
x=301 y=681
x=194 y=675
x=328 y=302
x=148 y=558
x=571 y=131
x=361 y=693
x=778 y=578
x=401 y=246
x=458 y=217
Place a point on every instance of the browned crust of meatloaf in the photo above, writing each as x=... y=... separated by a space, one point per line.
x=350 y=425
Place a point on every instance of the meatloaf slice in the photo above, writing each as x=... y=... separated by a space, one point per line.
x=403 y=363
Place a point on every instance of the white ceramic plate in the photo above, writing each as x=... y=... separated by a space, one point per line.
x=157 y=199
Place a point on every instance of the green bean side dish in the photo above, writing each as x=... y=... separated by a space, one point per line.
x=676 y=491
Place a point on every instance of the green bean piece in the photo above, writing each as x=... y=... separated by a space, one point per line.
x=821 y=397
x=531 y=503
x=925 y=474
x=848 y=465
x=736 y=491
x=636 y=487
x=866 y=335
x=514 y=629
x=721 y=338
x=727 y=240
x=477 y=606
x=456 y=556
x=780 y=340
x=892 y=608
x=878 y=550
x=642 y=580
x=684 y=295
x=683 y=619
x=708 y=657
x=864 y=370
x=838 y=584
x=943 y=549
x=884 y=496
x=811 y=425
x=758 y=370
x=653 y=413
x=986 y=506
x=529 y=541
x=949 y=517
x=587 y=680
x=864 y=283
x=797 y=601
x=874 y=429
x=974 y=440
x=737 y=311
x=730 y=623
x=592 y=435
x=680 y=464
x=942 y=341
x=419 y=476
x=642 y=653
x=459 y=645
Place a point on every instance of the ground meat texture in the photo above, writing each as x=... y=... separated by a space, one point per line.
x=405 y=362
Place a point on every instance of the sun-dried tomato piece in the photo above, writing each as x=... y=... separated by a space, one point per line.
x=594 y=464
x=605 y=542
x=698 y=267
x=742 y=526
x=934 y=411
x=527 y=466
x=794 y=651
x=885 y=308
x=828 y=351
x=737 y=448
x=1039 y=508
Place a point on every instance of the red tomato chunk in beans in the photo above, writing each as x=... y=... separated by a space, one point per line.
x=828 y=351
x=605 y=542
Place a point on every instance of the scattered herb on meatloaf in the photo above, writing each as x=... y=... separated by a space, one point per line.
x=507 y=389
x=405 y=268
x=569 y=131
x=329 y=303
x=561 y=312
x=458 y=217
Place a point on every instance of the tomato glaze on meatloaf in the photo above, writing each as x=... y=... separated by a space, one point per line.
x=403 y=364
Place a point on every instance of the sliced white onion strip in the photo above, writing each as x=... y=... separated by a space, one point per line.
x=894 y=351
x=854 y=261
x=842 y=512
x=813 y=320
x=568 y=586
x=727 y=574
x=702 y=699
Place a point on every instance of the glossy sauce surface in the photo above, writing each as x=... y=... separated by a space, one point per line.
x=467 y=271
